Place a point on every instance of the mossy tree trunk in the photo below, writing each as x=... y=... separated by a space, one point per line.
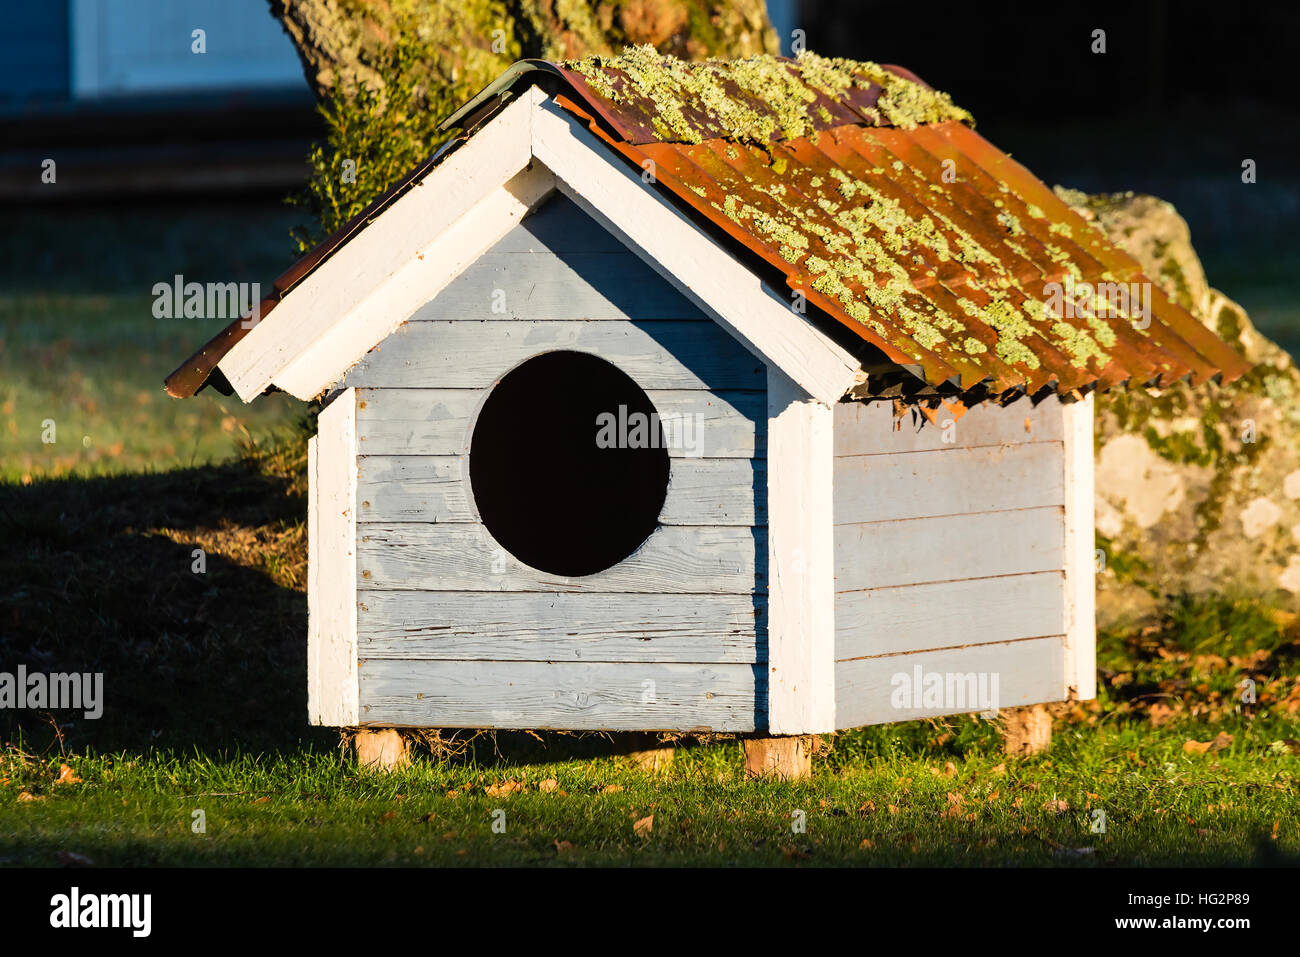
x=386 y=72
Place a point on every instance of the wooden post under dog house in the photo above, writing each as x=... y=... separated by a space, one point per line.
x=746 y=397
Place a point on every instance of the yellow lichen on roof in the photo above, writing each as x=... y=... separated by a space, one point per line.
x=786 y=88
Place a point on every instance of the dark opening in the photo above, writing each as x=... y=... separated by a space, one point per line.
x=568 y=464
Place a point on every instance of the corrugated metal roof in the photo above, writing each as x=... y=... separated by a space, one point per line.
x=875 y=199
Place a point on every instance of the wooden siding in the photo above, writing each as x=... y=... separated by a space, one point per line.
x=950 y=551
x=453 y=631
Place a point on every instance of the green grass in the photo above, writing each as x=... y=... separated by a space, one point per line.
x=886 y=797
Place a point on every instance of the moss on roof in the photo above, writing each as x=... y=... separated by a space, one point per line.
x=788 y=89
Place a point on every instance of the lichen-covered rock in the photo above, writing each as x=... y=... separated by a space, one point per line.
x=1198 y=489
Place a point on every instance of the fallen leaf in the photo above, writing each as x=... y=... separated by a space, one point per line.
x=998 y=769
x=453 y=794
x=505 y=787
x=643 y=827
x=1159 y=713
x=1221 y=741
x=1060 y=807
x=547 y=786
x=611 y=789
x=262 y=800
x=867 y=844
x=67 y=776
x=563 y=847
x=25 y=797
x=1196 y=747
x=388 y=816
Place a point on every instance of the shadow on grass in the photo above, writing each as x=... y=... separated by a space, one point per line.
x=96 y=576
x=89 y=582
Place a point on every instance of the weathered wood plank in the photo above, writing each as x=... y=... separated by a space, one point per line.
x=885 y=621
x=948 y=548
x=561 y=227
x=433 y=488
x=560 y=695
x=878 y=690
x=869 y=428
x=542 y=285
x=531 y=626
x=458 y=354
x=878 y=488
x=728 y=424
x=332 y=567
x=686 y=559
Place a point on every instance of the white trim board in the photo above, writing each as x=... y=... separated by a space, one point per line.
x=801 y=560
x=332 y=689
x=1080 y=545
x=428 y=236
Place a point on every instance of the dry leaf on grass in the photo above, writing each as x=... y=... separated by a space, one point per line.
x=25 y=797
x=611 y=789
x=1059 y=807
x=67 y=776
x=643 y=827
x=262 y=800
x=1159 y=713
x=547 y=786
x=505 y=787
x=867 y=844
x=563 y=847
x=1196 y=747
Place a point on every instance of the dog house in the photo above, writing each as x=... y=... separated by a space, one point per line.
x=739 y=396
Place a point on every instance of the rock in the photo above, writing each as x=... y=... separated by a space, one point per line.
x=1197 y=489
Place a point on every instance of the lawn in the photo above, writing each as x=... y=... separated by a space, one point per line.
x=205 y=671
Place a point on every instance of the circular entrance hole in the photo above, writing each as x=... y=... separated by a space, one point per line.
x=568 y=464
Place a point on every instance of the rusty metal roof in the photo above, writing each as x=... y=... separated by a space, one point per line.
x=877 y=201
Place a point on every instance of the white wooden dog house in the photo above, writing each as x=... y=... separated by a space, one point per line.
x=741 y=396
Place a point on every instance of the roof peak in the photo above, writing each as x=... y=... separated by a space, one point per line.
x=759 y=98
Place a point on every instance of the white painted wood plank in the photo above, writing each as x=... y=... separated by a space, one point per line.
x=1080 y=549
x=801 y=627
x=949 y=548
x=869 y=428
x=460 y=354
x=433 y=488
x=877 y=488
x=559 y=695
x=527 y=626
x=886 y=621
x=687 y=559
x=878 y=690
x=332 y=569
x=541 y=285
x=701 y=269
x=417 y=224
x=437 y=421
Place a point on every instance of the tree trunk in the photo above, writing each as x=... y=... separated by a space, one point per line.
x=345 y=44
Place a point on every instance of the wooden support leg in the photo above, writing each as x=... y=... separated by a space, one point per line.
x=650 y=755
x=381 y=749
x=788 y=758
x=1026 y=730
